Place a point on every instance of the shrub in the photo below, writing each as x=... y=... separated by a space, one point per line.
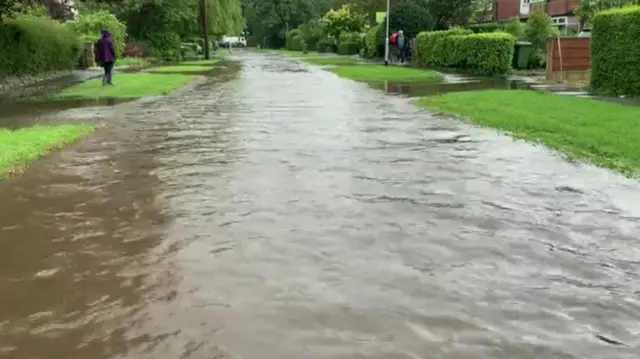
x=482 y=28
x=429 y=46
x=293 y=40
x=515 y=28
x=615 y=46
x=165 y=45
x=91 y=24
x=312 y=32
x=538 y=30
x=35 y=45
x=484 y=53
x=325 y=46
x=348 y=48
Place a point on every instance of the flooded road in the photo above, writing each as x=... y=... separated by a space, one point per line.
x=282 y=212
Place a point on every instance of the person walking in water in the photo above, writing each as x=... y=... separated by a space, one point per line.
x=401 y=43
x=105 y=55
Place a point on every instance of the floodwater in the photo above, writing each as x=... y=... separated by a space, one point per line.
x=282 y=212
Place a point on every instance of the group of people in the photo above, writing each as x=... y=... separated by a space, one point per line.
x=400 y=46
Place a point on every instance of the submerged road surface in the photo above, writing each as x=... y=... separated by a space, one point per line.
x=284 y=213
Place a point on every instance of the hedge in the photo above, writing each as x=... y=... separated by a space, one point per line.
x=490 y=27
x=293 y=40
x=36 y=45
x=483 y=53
x=427 y=43
x=348 y=48
x=615 y=48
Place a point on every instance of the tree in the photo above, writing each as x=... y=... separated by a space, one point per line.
x=269 y=20
x=344 y=20
x=411 y=17
x=449 y=13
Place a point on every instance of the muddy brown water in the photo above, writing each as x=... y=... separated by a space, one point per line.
x=283 y=212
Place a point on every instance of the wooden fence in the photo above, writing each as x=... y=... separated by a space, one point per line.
x=569 y=59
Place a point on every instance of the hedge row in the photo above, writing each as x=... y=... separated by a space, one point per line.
x=348 y=48
x=615 y=48
x=34 y=45
x=484 y=53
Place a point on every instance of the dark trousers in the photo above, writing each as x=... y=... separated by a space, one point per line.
x=401 y=54
x=108 y=72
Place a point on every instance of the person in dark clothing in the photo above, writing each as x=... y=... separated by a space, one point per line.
x=105 y=56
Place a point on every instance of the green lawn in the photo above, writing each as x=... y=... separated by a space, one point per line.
x=380 y=73
x=21 y=147
x=128 y=86
x=183 y=68
x=332 y=60
x=132 y=63
x=201 y=62
x=603 y=133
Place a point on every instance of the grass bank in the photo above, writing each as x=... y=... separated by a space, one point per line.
x=21 y=147
x=183 y=68
x=128 y=86
x=132 y=63
x=380 y=73
x=602 y=133
x=332 y=60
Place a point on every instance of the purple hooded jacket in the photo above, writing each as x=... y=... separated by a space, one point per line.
x=104 y=51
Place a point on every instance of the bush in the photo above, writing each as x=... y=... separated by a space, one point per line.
x=538 y=30
x=348 y=48
x=515 y=28
x=165 y=45
x=91 y=25
x=35 y=45
x=483 y=53
x=615 y=46
x=312 y=32
x=325 y=46
x=482 y=28
x=429 y=46
x=293 y=40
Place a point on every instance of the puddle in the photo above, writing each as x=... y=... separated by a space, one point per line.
x=453 y=83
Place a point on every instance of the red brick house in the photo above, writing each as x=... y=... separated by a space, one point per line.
x=561 y=11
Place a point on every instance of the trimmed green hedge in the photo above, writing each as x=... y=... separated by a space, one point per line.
x=615 y=47
x=35 y=45
x=325 y=46
x=483 y=53
x=348 y=48
x=429 y=48
x=293 y=40
x=490 y=27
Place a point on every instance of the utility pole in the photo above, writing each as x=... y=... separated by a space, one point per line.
x=205 y=28
x=386 y=42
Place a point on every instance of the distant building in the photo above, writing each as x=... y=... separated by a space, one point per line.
x=561 y=11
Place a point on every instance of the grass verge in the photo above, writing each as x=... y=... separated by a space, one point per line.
x=183 y=68
x=332 y=60
x=21 y=147
x=379 y=73
x=132 y=63
x=602 y=133
x=201 y=62
x=128 y=86
x=293 y=53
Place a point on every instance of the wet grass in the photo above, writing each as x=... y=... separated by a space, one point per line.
x=128 y=86
x=183 y=68
x=379 y=73
x=201 y=62
x=21 y=147
x=333 y=60
x=602 y=133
